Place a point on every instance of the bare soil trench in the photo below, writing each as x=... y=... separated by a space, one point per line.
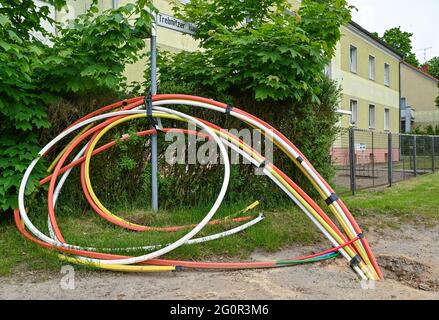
x=408 y=256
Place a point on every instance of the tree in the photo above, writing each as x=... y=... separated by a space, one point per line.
x=255 y=47
x=433 y=67
x=401 y=41
x=437 y=99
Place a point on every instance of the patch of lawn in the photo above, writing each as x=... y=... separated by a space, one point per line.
x=414 y=200
x=422 y=163
x=280 y=227
x=17 y=251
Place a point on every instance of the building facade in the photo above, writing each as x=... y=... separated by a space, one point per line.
x=418 y=93
x=368 y=71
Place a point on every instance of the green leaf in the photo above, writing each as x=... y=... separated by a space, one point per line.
x=261 y=93
x=4 y=20
x=14 y=36
x=5 y=45
x=94 y=70
x=94 y=9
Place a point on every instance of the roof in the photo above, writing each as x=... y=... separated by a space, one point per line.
x=420 y=71
x=376 y=39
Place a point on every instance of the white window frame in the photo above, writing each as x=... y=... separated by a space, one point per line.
x=353 y=119
x=353 y=67
x=387 y=74
x=372 y=67
x=372 y=124
x=387 y=119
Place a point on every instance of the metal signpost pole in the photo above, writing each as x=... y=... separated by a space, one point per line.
x=154 y=161
x=175 y=24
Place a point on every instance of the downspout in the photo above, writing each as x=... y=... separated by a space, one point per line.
x=115 y=4
x=400 y=97
x=400 y=124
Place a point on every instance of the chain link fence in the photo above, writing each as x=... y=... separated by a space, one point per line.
x=366 y=159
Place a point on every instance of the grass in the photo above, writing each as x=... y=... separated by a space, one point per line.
x=422 y=163
x=281 y=227
x=414 y=200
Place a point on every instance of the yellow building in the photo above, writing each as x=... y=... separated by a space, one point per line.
x=368 y=71
x=418 y=93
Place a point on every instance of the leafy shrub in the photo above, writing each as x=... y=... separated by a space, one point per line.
x=22 y=105
x=426 y=130
x=271 y=66
x=88 y=57
x=309 y=124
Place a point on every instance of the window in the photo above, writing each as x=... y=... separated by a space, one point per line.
x=354 y=112
x=371 y=67
x=353 y=59
x=387 y=74
x=371 y=116
x=387 y=119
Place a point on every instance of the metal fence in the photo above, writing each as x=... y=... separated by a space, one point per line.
x=367 y=159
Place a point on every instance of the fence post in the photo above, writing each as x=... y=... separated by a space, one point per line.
x=432 y=155
x=415 y=171
x=373 y=159
x=352 y=162
x=390 y=159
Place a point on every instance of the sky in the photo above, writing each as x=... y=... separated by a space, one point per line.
x=420 y=17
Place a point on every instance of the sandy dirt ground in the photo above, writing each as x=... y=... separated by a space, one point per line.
x=409 y=258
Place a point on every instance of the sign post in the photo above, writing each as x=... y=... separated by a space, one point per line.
x=172 y=23
x=154 y=151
